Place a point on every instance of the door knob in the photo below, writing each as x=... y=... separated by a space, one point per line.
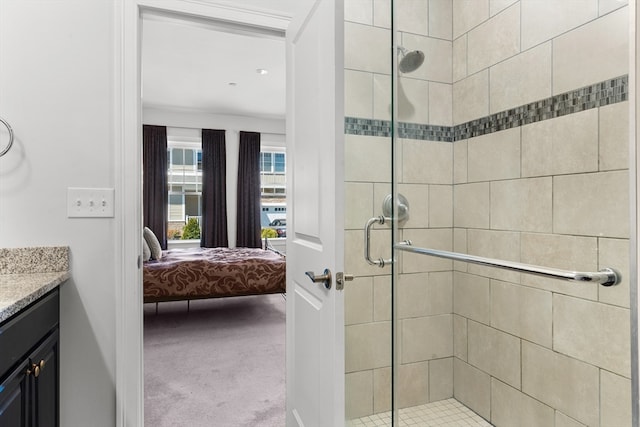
x=324 y=278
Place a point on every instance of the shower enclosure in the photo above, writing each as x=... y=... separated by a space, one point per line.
x=500 y=142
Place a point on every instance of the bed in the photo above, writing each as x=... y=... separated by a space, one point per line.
x=195 y=273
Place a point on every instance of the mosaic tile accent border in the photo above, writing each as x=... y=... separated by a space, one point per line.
x=597 y=95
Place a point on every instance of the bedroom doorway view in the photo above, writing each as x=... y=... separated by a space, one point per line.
x=214 y=192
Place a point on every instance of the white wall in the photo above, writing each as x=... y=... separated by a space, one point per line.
x=56 y=91
x=187 y=124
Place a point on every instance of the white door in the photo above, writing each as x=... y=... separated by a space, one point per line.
x=315 y=155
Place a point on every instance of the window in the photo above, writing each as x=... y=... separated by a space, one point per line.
x=273 y=186
x=184 y=181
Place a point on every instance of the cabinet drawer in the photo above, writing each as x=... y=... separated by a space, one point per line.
x=22 y=332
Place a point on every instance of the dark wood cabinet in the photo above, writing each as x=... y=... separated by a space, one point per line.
x=29 y=366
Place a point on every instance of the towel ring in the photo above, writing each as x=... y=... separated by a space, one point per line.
x=4 y=151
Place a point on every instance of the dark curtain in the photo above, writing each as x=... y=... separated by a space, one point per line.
x=154 y=181
x=249 y=191
x=214 y=190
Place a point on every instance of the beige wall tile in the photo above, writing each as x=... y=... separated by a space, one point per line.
x=472 y=387
x=471 y=205
x=437 y=238
x=426 y=338
x=460 y=245
x=413 y=295
x=358 y=301
x=614 y=253
x=561 y=382
x=440 y=293
x=440 y=19
x=419 y=204
x=494 y=156
x=563 y=420
x=358 y=94
x=360 y=168
x=413 y=384
x=503 y=245
x=495 y=353
x=358 y=204
x=459 y=67
x=381 y=97
x=412 y=94
x=563 y=252
x=380 y=192
x=522 y=311
x=522 y=205
x=426 y=162
x=575 y=196
x=497 y=6
x=412 y=16
x=440 y=104
x=615 y=400
x=494 y=40
x=367 y=346
x=366 y=48
x=614 y=136
x=471 y=98
x=358 y=389
x=593 y=332
x=510 y=407
x=382 y=13
x=360 y=11
x=567 y=144
x=543 y=20
x=471 y=297
x=381 y=298
x=438 y=65
x=381 y=390
x=516 y=82
x=460 y=160
x=468 y=14
x=440 y=379
x=441 y=206
x=606 y=6
x=460 y=337
x=572 y=69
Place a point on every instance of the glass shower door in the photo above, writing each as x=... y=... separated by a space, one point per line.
x=506 y=138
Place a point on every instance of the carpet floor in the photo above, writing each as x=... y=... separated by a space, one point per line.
x=222 y=363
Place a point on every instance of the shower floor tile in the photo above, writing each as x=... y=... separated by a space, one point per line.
x=445 y=413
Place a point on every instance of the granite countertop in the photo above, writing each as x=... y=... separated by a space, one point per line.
x=26 y=274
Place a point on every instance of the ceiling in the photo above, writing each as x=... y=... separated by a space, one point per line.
x=203 y=66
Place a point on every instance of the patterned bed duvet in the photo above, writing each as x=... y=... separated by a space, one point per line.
x=184 y=274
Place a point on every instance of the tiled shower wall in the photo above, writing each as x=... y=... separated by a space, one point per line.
x=552 y=191
x=538 y=182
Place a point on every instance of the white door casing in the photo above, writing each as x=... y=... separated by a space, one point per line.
x=315 y=152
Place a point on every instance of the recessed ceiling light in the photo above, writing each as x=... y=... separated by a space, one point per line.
x=262 y=71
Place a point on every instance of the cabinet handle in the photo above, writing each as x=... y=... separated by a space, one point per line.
x=36 y=368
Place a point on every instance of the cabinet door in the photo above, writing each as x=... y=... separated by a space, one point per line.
x=45 y=380
x=14 y=397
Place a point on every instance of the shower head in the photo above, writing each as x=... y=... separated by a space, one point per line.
x=410 y=61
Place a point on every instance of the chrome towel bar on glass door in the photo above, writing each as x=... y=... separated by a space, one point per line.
x=605 y=277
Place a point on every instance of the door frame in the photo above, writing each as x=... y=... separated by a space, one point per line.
x=129 y=374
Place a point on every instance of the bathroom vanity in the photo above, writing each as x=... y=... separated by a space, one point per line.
x=29 y=336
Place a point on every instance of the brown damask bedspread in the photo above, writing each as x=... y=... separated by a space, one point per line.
x=213 y=272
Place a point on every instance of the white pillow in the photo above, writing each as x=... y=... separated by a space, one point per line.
x=154 y=244
x=146 y=251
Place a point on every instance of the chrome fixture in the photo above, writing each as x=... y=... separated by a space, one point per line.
x=401 y=215
x=6 y=149
x=410 y=60
x=605 y=277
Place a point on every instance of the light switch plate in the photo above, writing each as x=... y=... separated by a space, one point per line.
x=90 y=202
